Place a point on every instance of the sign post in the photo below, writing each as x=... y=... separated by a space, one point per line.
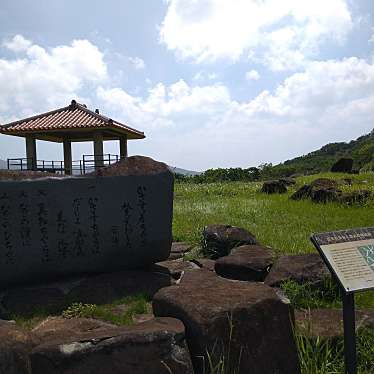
x=349 y=255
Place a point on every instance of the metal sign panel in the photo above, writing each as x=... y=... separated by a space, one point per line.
x=350 y=256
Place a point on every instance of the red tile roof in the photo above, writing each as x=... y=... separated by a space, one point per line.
x=74 y=116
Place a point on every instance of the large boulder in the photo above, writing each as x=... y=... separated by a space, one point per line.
x=276 y=186
x=93 y=289
x=243 y=324
x=15 y=347
x=343 y=165
x=220 y=239
x=153 y=347
x=248 y=263
x=320 y=190
x=299 y=268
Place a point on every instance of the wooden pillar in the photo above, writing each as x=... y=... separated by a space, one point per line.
x=68 y=165
x=31 y=152
x=123 y=146
x=98 y=150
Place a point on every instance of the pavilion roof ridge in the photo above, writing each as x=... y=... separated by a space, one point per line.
x=48 y=120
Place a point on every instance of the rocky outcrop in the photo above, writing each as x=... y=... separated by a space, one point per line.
x=244 y=323
x=321 y=190
x=356 y=197
x=343 y=165
x=220 y=239
x=276 y=186
x=85 y=347
x=299 y=268
x=248 y=263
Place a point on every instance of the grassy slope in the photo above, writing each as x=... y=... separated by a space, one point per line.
x=276 y=221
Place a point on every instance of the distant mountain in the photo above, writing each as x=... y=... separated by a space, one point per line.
x=3 y=164
x=188 y=173
x=360 y=150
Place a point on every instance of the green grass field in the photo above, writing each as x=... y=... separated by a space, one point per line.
x=286 y=226
x=277 y=221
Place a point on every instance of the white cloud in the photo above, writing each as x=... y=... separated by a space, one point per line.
x=201 y=76
x=252 y=75
x=282 y=34
x=39 y=79
x=203 y=126
x=137 y=62
x=17 y=44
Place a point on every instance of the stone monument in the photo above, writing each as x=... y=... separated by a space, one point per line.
x=117 y=218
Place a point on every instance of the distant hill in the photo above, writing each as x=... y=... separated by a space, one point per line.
x=185 y=172
x=361 y=150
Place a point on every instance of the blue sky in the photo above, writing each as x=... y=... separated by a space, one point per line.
x=212 y=83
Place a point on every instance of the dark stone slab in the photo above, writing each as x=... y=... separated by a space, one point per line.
x=299 y=268
x=55 y=227
x=220 y=239
x=247 y=263
x=153 y=347
x=213 y=309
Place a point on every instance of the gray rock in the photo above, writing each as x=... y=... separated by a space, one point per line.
x=220 y=239
x=245 y=321
x=247 y=263
x=153 y=347
x=299 y=268
x=119 y=218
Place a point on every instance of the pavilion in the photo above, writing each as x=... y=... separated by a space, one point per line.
x=74 y=123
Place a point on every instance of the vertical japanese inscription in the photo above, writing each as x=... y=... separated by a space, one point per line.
x=62 y=244
x=5 y=226
x=78 y=239
x=127 y=209
x=92 y=203
x=43 y=226
x=24 y=229
x=141 y=190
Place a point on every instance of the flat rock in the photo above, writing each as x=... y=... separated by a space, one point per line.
x=92 y=289
x=15 y=346
x=220 y=239
x=174 y=268
x=204 y=263
x=219 y=313
x=328 y=323
x=153 y=347
x=178 y=249
x=299 y=268
x=247 y=263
